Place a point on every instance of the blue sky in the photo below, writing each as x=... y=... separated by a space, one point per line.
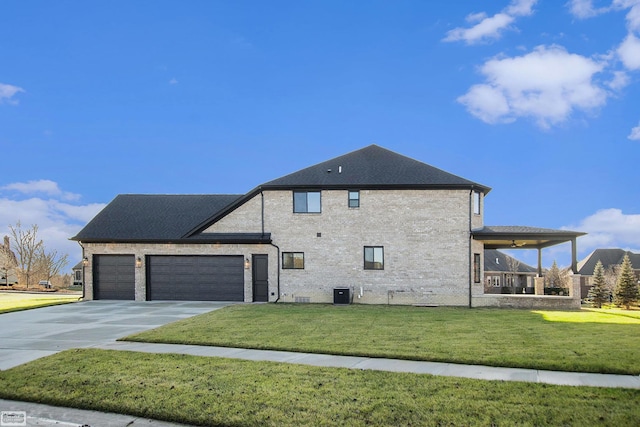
x=537 y=99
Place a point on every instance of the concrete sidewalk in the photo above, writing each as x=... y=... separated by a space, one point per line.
x=36 y=414
x=391 y=365
x=45 y=415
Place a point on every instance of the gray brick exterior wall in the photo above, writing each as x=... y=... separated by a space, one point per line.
x=425 y=235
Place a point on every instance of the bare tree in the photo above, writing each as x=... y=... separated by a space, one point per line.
x=611 y=274
x=27 y=248
x=51 y=263
x=513 y=265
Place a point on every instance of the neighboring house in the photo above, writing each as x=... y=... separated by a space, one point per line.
x=388 y=228
x=504 y=274
x=8 y=264
x=609 y=258
x=77 y=272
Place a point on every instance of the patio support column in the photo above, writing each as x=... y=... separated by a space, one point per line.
x=539 y=262
x=574 y=256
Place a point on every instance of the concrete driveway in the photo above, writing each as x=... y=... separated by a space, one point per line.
x=31 y=334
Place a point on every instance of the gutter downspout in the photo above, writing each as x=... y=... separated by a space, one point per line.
x=278 y=266
x=262 y=213
x=83 y=268
x=470 y=265
x=272 y=244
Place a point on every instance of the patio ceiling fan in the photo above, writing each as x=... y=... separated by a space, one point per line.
x=516 y=245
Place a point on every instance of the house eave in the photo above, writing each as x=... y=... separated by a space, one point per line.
x=205 y=238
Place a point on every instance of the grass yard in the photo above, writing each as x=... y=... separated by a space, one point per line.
x=218 y=391
x=601 y=341
x=10 y=301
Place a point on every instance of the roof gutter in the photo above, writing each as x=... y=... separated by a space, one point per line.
x=257 y=239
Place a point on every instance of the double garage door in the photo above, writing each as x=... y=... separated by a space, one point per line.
x=185 y=278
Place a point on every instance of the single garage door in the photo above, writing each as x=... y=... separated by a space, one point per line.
x=195 y=278
x=114 y=277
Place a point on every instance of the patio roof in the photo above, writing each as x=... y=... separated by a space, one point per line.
x=520 y=237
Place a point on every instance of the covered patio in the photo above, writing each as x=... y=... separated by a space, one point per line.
x=520 y=237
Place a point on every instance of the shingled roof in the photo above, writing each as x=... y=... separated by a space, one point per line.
x=608 y=258
x=496 y=261
x=141 y=217
x=372 y=167
x=172 y=218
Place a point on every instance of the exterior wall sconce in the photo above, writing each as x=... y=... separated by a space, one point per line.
x=247 y=264
x=85 y=261
x=138 y=262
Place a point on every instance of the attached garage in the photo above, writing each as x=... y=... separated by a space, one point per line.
x=195 y=278
x=114 y=277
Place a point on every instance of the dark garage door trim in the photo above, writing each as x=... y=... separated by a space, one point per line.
x=195 y=277
x=114 y=277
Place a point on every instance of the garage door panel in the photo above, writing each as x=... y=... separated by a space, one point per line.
x=114 y=277
x=195 y=278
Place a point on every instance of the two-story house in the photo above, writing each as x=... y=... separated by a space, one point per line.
x=385 y=227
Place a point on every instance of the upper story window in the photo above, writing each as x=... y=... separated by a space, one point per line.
x=374 y=258
x=354 y=199
x=306 y=202
x=476 y=202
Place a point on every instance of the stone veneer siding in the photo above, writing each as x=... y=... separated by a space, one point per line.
x=428 y=252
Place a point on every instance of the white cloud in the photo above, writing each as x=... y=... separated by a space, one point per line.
x=609 y=228
x=488 y=103
x=173 y=81
x=633 y=16
x=491 y=27
x=7 y=92
x=43 y=186
x=620 y=80
x=521 y=7
x=583 y=9
x=635 y=133
x=57 y=217
x=547 y=84
x=629 y=52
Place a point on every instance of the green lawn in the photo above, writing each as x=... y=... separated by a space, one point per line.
x=604 y=341
x=218 y=391
x=10 y=301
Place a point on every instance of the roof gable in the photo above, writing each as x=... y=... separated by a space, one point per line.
x=136 y=217
x=372 y=167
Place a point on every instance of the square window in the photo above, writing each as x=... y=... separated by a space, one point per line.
x=306 y=202
x=354 y=199
x=374 y=258
x=293 y=260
